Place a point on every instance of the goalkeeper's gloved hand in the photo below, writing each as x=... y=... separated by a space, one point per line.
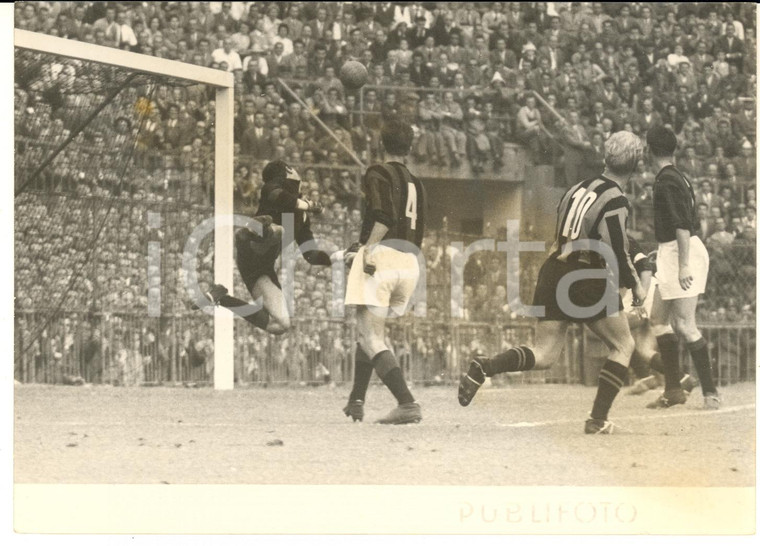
x=350 y=254
x=313 y=206
x=347 y=255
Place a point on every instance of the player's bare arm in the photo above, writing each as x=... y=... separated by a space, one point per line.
x=684 y=273
x=379 y=230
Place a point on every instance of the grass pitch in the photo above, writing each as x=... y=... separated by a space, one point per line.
x=521 y=435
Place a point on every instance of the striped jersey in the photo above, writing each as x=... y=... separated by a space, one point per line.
x=395 y=198
x=595 y=209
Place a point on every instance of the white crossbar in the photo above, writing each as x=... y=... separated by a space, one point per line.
x=125 y=59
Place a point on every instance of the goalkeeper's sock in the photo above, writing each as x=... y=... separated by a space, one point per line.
x=362 y=374
x=259 y=319
x=516 y=359
x=391 y=375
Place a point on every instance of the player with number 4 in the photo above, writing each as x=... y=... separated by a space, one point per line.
x=580 y=282
x=385 y=270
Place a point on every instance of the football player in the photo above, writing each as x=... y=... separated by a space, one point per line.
x=385 y=271
x=646 y=363
x=682 y=268
x=593 y=210
x=256 y=254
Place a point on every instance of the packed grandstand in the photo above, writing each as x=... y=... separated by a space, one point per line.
x=556 y=78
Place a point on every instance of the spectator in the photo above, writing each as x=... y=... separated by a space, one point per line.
x=529 y=127
x=577 y=146
x=228 y=56
x=720 y=238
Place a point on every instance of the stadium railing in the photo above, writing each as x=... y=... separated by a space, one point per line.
x=129 y=349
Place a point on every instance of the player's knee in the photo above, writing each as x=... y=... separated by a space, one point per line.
x=279 y=326
x=661 y=329
x=684 y=327
x=624 y=346
x=371 y=344
x=277 y=231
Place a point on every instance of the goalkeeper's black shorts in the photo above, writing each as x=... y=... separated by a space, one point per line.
x=255 y=260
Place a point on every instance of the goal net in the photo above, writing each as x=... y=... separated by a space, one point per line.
x=118 y=158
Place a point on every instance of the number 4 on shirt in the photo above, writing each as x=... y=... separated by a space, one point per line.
x=411 y=204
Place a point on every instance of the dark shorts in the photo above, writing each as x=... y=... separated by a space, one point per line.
x=255 y=261
x=583 y=293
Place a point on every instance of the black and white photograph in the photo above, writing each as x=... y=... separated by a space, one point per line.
x=492 y=262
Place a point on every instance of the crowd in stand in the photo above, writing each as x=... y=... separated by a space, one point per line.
x=558 y=78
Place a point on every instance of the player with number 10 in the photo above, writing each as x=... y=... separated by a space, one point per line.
x=577 y=283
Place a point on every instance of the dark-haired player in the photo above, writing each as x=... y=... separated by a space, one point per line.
x=682 y=267
x=646 y=363
x=385 y=271
x=257 y=253
x=594 y=210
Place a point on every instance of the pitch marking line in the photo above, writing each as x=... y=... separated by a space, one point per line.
x=660 y=415
x=657 y=414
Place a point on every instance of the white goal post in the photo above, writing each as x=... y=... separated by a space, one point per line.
x=223 y=83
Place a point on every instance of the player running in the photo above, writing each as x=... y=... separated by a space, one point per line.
x=593 y=210
x=385 y=271
x=682 y=267
x=256 y=254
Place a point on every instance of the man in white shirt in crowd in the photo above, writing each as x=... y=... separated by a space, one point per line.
x=226 y=54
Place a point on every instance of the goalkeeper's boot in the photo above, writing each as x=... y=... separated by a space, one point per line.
x=403 y=414
x=669 y=398
x=470 y=382
x=598 y=426
x=213 y=295
x=355 y=410
x=688 y=383
x=216 y=293
x=644 y=384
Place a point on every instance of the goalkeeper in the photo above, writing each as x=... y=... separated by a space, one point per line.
x=257 y=254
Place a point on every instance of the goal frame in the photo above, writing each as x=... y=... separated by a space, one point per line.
x=224 y=84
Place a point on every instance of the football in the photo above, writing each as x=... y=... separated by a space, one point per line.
x=353 y=74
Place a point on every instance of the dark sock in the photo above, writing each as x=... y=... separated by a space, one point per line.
x=387 y=368
x=656 y=363
x=611 y=378
x=516 y=359
x=362 y=374
x=639 y=366
x=260 y=318
x=668 y=344
x=701 y=360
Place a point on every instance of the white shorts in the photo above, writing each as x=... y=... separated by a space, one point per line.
x=392 y=284
x=667 y=269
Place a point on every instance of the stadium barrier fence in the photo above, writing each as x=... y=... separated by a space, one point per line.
x=128 y=349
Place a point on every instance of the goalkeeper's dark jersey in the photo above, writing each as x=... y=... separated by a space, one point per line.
x=595 y=209
x=279 y=197
x=395 y=198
